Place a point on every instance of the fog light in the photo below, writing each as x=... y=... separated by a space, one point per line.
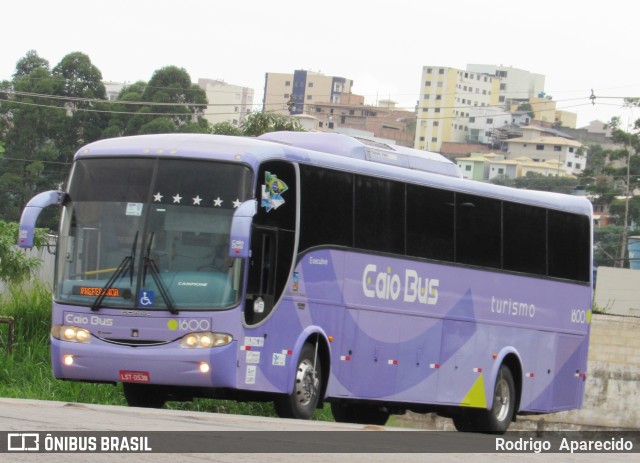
x=67 y=360
x=204 y=367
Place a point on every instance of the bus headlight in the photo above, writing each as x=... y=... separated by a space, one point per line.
x=205 y=340
x=70 y=333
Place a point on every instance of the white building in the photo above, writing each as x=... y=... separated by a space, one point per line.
x=227 y=102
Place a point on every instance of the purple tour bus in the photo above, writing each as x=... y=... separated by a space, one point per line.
x=307 y=268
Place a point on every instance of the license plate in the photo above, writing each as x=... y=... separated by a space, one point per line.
x=134 y=376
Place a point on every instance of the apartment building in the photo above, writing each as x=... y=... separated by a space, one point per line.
x=447 y=97
x=468 y=106
x=227 y=102
x=288 y=94
x=515 y=84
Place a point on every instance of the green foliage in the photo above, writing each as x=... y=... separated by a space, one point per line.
x=607 y=241
x=257 y=124
x=526 y=107
x=225 y=128
x=617 y=206
x=536 y=181
x=41 y=134
x=15 y=265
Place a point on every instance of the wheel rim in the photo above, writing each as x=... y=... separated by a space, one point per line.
x=306 y=382
x=503 y=399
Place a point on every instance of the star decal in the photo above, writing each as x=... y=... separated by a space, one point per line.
x=177 y=198
x=197 y=200
x=157 y=197
x=236 y=203
x=217 y=202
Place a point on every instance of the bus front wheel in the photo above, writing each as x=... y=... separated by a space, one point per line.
x=307 y=386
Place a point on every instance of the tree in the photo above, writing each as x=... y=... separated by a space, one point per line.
x=606 y=245
x=176 y=105
x=27 y=122
x=225 y=128
x=45 y=116
x=173 y=85
x=630 y=142
x=526 y=107
x=258 y=123
x=15 y=265
x=536 y=181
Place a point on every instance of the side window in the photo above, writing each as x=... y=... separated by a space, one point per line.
x=569 y=246
x=478 y=230
x=430 y=221
x=272 y=239
x=525 y=238
x=379 y=217
x=326 y=207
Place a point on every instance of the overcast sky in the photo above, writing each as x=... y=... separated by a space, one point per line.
x=380 y=45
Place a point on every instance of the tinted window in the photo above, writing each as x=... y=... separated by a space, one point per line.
x=430 y=223
x=379 y=219
x=326 y=207
x=478 y=230
x=569 y=246
x=525 y=239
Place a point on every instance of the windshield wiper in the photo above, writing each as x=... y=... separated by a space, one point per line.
x=127 y=264
x=150 y=264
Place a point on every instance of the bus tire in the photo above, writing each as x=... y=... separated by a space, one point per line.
x=464 y=420
x=143 y=395
x=359 y=414
x=307 y=387
x=497 y=419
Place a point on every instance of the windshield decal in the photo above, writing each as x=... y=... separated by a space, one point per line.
x=272 y=192
x=197 y=200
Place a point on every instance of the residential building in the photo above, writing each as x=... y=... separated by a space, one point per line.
x=476 y=166
x=487 y=124
x=113 y=89
x=486 y=167
x=288 y=94
x=383 y=121
x=515 y=84
x=447 y=96
x=468 y=106
x=548 y=145
x=227 y=102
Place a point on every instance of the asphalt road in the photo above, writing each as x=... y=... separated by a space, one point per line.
x=239 y=438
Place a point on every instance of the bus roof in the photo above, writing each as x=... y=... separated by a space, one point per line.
x=329 y=150
x=369 y=150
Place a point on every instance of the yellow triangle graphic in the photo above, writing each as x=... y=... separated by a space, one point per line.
x=476 y=397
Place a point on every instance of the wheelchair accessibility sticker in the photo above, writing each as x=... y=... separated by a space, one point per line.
x=145 y=298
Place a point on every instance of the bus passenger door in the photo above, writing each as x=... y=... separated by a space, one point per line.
x=262 y=276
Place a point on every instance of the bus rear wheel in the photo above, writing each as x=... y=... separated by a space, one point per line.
x=496 y=420
x=307 y=387
x=143 y=395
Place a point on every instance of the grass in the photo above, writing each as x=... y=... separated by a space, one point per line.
x=26 y=372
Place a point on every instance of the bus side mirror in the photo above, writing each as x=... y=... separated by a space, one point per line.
x=31 y=212
x=241 y=229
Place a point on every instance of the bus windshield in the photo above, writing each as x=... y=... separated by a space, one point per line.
x=150 y=233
